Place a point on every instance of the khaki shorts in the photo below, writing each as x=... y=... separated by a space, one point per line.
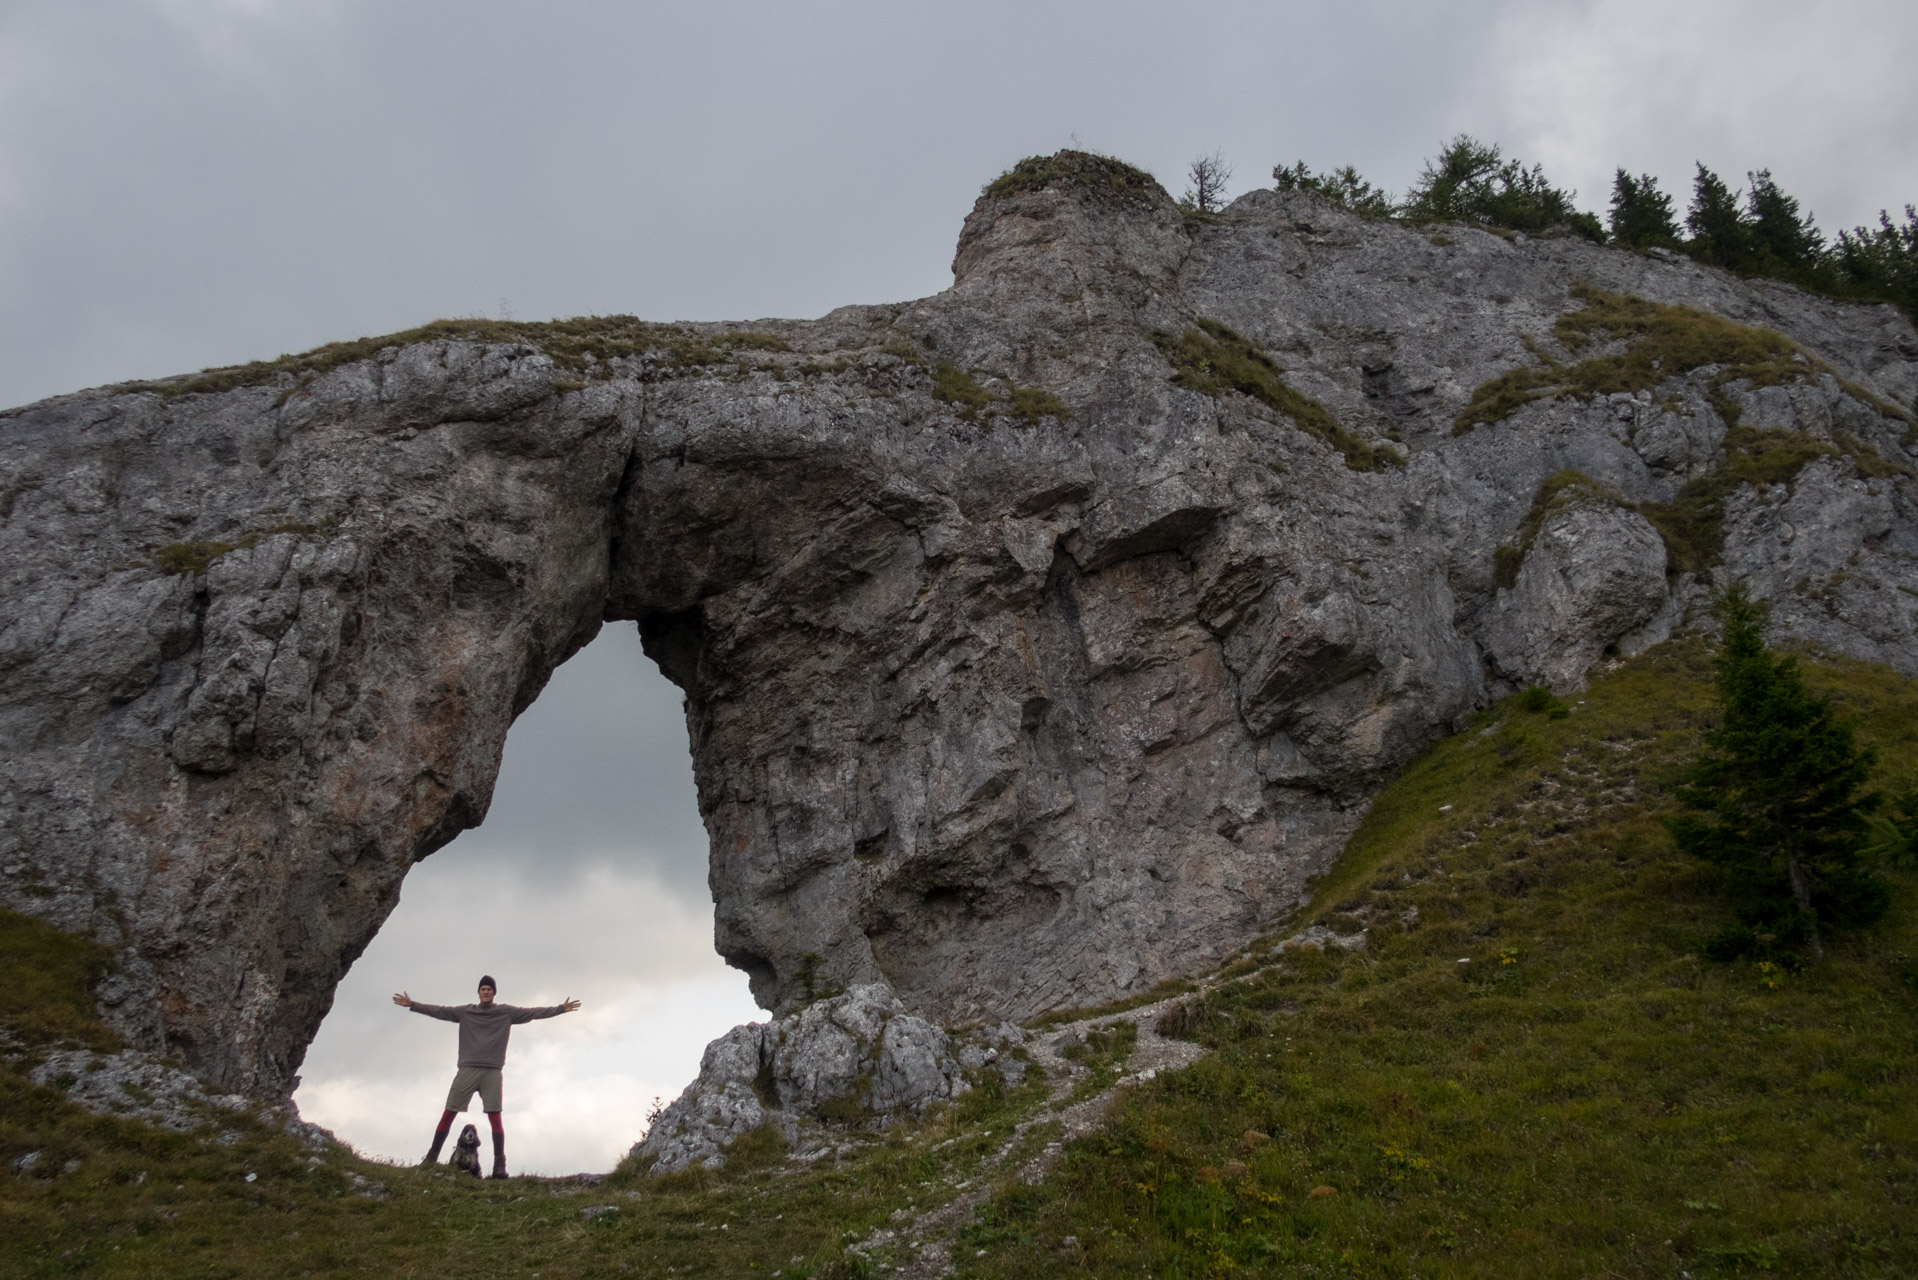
x=485 y=1080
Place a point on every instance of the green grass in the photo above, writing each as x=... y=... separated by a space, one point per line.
x=46 y=980
x=1587 y=1096
x=957 y=388
x=1212 y=358
x=1556 y=492
x=1103 y=1052
x=192 y=559
x=1022 y=404
x=1101 y=178
x=1164 y=990
x=583 y=344
x=1660 y=342
x=1692 y=523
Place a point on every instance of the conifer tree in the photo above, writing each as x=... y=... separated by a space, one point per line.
x=1343 y=187
x=1784 y=241
x=1895 y=833
x=1881 y=262
x=1641 y=214
x=1717 y=224
x=1774 y=800
x=1472 y=181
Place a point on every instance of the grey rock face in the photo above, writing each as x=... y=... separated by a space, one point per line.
x=1007 y=710
x=861 y=1047
x=1595 y=573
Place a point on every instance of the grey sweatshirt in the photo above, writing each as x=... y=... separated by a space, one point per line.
x=484 y=1027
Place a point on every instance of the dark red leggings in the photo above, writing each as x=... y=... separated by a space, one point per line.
x=446 y=1123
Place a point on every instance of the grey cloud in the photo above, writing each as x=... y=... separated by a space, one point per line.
x=187 y=182
x=596 y=773
x=202 y=182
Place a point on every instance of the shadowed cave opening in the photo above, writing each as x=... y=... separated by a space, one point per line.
x=587 y=879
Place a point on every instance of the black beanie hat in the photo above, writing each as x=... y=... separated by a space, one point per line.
x=486 y=980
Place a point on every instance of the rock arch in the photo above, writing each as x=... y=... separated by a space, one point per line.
x=1018 y=674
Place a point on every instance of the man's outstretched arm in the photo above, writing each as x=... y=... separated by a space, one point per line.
x=550 y=1011
x=439 y=1011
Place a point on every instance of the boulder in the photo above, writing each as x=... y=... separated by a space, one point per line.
x=861 y=1050
x=1594 y=573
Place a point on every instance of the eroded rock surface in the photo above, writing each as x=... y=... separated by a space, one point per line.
x=860 y=1050
x=1594 y=575
x=138 y=1086
x=1017 y=675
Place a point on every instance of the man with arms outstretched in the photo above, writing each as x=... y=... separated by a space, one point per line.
x=483 y=1031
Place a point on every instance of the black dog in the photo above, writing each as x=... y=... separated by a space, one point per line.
x=466 y=1151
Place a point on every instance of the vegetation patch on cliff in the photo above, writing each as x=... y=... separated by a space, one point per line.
x=1557 y=491
x=974 y=400
x=192 y=559
x=46 y=983
x=1692 y=523
x=1101 y=177
x=584 y=344
x=1213 y=358
x=1659 y=342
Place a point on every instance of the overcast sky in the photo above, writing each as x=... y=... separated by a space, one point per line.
x=194 y=182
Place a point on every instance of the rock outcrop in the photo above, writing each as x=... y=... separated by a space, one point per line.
x=856 y=1058
x=1018 y=673
x=138 y=1086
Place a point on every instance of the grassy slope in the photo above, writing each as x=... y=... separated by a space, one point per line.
x=1586 y=1096
x=1567 y=1113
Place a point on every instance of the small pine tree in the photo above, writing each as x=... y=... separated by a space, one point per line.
x=1774 y=799
x=1717 y=224
x=1343 y=187
x=1895 y=833
x=1641 y=214
x=1785 y=242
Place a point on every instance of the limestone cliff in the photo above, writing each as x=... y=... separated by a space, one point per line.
x=1041 y=638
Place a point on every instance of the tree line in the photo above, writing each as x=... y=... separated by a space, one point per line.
x=1759 y=230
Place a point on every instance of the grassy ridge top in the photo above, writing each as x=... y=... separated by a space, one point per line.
x=579 y=345
x=1101 y=178
x=1529 y=1070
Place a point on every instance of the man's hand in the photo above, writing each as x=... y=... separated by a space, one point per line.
x=403 y=1000
x=569 y=1005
